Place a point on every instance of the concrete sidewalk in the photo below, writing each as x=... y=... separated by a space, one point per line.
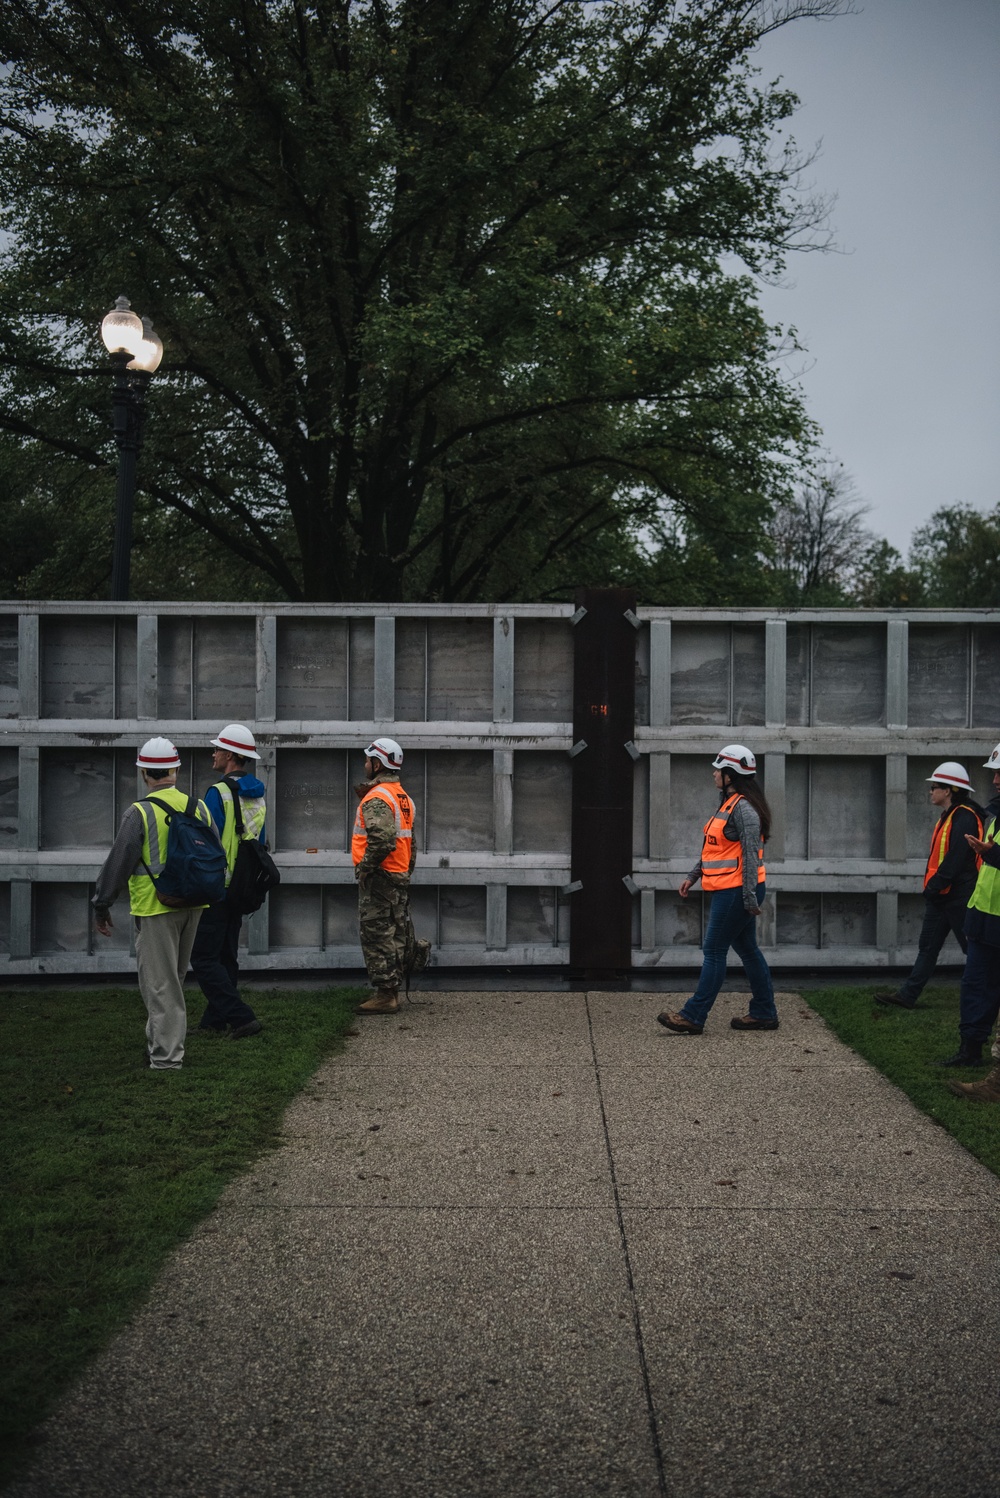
x=532 y=1244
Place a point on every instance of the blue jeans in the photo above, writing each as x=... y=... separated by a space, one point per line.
x=979 y=1001
x=939 y=919
x=729 y=925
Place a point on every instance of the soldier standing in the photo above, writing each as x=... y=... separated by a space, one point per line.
x=384 y=855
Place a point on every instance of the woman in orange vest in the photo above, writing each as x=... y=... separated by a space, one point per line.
x=949 y=879
x=731 y=867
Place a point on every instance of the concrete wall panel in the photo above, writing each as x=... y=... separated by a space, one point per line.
x=78 y=668
x=848 y=675
x=225 y=666
x=340 y=915
x=848 y=921
x=543 y=671
x=62 y=918
x=798 y=919
x=77 y=798
x=938 y=676
x=313 y=806
x=463 y=915
x=678 y=923
x=846 y=807
x=5 y=917
x=531 y=916
x=700 y=673
x=312 y=669
x=459 y=810
x=693 y=798
x=295 y=917
x=986 y=679
x=748 y=675
x=542 y=786
x=412 y=681
x=460 y=670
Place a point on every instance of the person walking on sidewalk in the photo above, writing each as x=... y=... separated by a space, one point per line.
x=215 y=957
x=731 y=867
x=949 y=879
x=384 y=855
x=979 y=996
x=165 y=934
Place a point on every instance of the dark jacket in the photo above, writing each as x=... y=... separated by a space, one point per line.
x=957 y=870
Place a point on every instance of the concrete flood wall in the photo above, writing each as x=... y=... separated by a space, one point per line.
x=848 y=712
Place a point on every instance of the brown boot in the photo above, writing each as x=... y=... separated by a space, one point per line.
x=986 y=1091
x=382 y=1001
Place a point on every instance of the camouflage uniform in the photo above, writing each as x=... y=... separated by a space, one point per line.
x=383 y=898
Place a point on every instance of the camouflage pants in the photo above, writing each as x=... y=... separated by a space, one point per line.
x=383 y=914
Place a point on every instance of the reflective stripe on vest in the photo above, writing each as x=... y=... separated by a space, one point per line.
x=721 y=858
x=398 y=861
x=986 y=895
x=254 y=815
x=142 y=895
x=940 y=838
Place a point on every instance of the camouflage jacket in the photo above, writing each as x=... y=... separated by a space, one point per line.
x=380 y=826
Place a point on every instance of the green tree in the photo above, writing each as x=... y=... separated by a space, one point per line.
x=956 y=556
x=440 y=282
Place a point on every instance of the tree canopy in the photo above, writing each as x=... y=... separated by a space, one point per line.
x=458 y=296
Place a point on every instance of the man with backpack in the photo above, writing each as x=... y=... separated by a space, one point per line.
x=169 y=852
x=236 y=806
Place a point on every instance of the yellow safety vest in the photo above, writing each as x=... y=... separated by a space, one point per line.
x=142 y=895
x=253 y=823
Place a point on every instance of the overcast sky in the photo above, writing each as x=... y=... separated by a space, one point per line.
x=903 y=325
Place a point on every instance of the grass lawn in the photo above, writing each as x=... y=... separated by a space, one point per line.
x=904 y=1044
x=107 y=1166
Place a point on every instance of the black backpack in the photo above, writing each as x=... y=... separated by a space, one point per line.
x=194 y=871
x=254 y=872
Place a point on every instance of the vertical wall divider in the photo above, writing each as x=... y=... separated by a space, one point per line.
x=503 y=800
x=147 y=667
x=28 y=823
x=774 y=789
x=897 y=635
x=647 y=920
x=659 y=675
x=21 y=924
x=266 y=706
x=895 y=808
x=775 y=673
x=28 y=665
x=886 y=921
x=496 y=917
x=503 y=669
x=385 y=669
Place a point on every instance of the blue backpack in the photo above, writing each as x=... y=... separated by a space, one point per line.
x=194 y=872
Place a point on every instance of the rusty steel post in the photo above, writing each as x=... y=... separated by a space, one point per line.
x=603 y=729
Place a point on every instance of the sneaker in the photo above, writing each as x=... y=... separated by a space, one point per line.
x=252 y=1027
x=893 y=996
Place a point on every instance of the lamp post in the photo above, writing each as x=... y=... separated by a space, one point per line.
x=135 y=352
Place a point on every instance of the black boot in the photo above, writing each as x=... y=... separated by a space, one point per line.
x=969 y=1053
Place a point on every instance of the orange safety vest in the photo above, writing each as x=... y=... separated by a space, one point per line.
x=398 y=861
x=722 y=859
x=939 y=843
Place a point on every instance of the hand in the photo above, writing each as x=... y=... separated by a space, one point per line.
x=684 y=888
x=978 y=845
x=104 y=923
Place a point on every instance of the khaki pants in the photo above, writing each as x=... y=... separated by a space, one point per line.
x=163 y=949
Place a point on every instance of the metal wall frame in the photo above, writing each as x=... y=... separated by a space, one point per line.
x=845 y=861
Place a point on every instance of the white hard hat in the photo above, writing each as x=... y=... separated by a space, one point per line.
x=235 y=739
x=387 y=751
x=993 y=763
x=951 y=773
x=158 y=754
x=736 y=757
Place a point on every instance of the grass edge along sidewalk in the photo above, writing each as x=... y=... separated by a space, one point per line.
x=107 y=1166
x=904 y=1045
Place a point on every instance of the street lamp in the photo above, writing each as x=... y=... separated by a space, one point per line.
x=135 y=356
